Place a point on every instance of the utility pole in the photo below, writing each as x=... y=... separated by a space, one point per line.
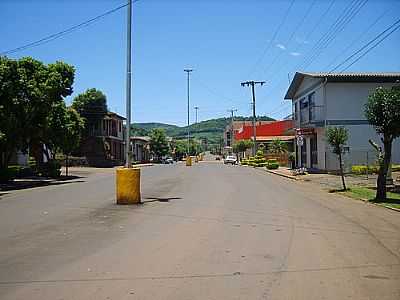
x=188 y=71
x=128 y=86
x=252 y=84
x=232 y=111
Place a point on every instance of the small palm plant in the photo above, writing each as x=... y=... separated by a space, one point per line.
x=277 y=146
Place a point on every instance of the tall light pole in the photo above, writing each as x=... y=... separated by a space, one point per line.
x=128 y=86
x=252 y=84
x=188 y=71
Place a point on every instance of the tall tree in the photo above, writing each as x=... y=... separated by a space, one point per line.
x=91 y=102
x=64 y=131
x=158 y=143
x=337 y=137
x=242 y=146
x=28 y=90
x=383 y=112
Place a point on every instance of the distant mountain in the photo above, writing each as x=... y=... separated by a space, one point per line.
x=211 y=129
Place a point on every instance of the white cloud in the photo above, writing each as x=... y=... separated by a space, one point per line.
x=280 y=46
x=295 y=53
x=301 y=41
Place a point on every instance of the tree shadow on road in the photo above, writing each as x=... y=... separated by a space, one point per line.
x=29 y=183
x=160 y=199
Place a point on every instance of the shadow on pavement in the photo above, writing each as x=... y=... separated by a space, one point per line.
x=160 y=199
x=28 y=183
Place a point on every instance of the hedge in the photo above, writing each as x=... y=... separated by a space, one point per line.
x=362 y=170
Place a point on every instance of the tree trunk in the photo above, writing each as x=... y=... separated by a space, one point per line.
x=383 y=169
x=341 y=171
x=66 y=165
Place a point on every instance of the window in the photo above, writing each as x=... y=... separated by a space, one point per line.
x=296 y=111
x=120 y=127
x=303 y=106
x=311 y=105
x=303 y=103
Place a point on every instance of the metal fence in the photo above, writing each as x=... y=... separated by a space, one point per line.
x=353 y=157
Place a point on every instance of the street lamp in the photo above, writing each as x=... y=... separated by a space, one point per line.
x=188 y=71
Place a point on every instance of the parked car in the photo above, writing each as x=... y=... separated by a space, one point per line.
x=230 y=159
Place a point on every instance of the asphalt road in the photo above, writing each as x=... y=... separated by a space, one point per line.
x=206 y=232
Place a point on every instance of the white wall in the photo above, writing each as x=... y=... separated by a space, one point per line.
x=346 y=101
x=321 y=147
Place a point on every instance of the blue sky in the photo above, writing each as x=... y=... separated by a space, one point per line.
x=223 y=41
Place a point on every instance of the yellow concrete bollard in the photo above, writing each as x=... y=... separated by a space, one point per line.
x=188 y=161
x=128 y=186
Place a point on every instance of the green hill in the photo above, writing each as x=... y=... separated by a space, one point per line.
x=211 y=129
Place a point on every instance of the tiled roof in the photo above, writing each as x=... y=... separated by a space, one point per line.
x=342 y=77
x=352 y=75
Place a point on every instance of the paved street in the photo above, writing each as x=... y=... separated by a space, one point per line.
x=206 y=232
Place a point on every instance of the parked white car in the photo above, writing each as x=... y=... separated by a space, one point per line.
x=230 y=159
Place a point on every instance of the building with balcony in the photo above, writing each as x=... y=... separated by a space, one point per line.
x=320 y=100
x=103 y=140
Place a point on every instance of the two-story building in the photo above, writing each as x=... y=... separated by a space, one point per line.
x=103 y=142
x=335 y=99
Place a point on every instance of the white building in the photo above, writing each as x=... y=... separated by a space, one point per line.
x=331 y=99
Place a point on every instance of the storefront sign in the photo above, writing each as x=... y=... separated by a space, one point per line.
x=305 y=131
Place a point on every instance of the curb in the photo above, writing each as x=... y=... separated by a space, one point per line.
x=142 y=165
x=273 y=172
x=283 y=175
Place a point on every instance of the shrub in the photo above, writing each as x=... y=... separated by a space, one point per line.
x=8 y=174
x=51 y=169
x=272 y=166
x=395 y=168
x=362 y=170
x=22 y=171
x=244 y=162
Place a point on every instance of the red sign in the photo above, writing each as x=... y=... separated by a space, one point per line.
x=305 y=131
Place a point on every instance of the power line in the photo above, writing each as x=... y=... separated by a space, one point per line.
x=59 y=34
x=336 y=30
x=395 y=25
x=340 y=23
x=271 y=41
x=297 y=27
x=309 y=34
x=372 y=47
x=358 y=38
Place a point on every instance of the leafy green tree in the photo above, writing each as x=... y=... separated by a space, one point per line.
x=180 y=148
x=91 y=102
x=158 y=143
x=28 y=90
x=242 y=146
x=383 y=112
x=65 y=130
x=277 y=146
x=337 y=137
